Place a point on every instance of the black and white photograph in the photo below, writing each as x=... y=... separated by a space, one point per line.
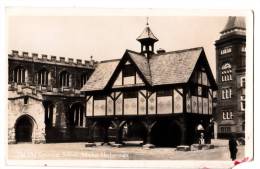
x=129 y=85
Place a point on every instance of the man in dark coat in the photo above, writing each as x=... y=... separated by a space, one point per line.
x=232 y=147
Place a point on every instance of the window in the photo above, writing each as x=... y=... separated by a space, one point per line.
x=42 y=77
x=25 y=101
x=19 y=75
x=226 y=50
x=130 y=94
x=225 y=129
x=128 y=71
x=226 y=72
x=76 y=115
x=226 y=93
x=164 y=93
x=243 y=82
x=243 y=48
x=65 y=79
x=83 y=80
x=243 y=102
x=227 y=115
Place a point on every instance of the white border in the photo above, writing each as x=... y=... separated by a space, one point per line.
x=117 y=4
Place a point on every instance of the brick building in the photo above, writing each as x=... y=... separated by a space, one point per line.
x=230 y=69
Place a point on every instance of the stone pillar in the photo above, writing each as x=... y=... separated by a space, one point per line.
x=148 y=140
x=11 y=135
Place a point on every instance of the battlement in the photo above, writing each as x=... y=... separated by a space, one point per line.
x=53 y=59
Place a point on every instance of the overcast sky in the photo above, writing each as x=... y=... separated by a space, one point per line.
x=107 y=37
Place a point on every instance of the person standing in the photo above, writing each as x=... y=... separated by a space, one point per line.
x=233 y=147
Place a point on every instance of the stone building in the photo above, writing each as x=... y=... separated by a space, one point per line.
x=44 y=99
x=230 y=69
x=160 y=98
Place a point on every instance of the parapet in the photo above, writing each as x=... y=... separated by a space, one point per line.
x=53 y=59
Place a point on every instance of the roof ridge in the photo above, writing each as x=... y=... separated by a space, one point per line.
x=178 y=51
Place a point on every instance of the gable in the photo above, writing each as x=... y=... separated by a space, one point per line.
x=202 y=73
x=129 y=72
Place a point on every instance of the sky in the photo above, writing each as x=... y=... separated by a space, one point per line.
x=107 y=37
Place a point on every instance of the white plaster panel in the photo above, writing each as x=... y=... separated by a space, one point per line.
x=130 y=106
x=210 y=104
x=142 y=104
x=138 y=79
x=129 y=80
x=200 y=105
x=164 y=105
x=194 y=104
x=89 y=106
x=205 y=106
x=152 y=104
x=204 y=79
x=188 y=103
x=178 y=101
x=119 y=105
x=110 y=106
x=99 y=107
x=118 y=81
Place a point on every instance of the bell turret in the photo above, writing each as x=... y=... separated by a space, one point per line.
x=147 y=40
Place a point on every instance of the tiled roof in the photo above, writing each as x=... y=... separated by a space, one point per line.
x=165 y=68
x=147 y=34
x=101 y=75
x=234 y=22
x=173 y=67
x=142 y=64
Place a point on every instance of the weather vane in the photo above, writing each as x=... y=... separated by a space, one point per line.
x=147 y=21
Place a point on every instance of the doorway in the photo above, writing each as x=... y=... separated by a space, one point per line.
x=24 y=129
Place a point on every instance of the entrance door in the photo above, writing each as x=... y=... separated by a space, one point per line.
x=23 y=129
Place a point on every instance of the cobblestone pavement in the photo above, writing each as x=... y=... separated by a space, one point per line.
x=78 y=151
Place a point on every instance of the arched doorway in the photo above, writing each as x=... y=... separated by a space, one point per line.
x=166 y=133
x=24 y=129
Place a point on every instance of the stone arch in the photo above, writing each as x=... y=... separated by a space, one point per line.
x=25 y=128
x=166 y=133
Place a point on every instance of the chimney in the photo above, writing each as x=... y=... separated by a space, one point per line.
x=91 y=63
x=160 y=51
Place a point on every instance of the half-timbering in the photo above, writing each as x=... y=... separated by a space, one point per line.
x=158 y=98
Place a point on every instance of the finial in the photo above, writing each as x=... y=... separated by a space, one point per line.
x=147 y=21
x=91 y=57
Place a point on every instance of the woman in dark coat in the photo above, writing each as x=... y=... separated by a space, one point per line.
x=233 y=147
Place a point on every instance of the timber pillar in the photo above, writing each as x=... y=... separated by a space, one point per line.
x=118 y=127
x=91 y=135
x=148 y=140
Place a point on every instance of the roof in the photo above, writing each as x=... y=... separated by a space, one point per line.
x=142 y=64
x=174 y=67
x=166 y=68
x=101 y=75
x=234 y=22
x=147 y=34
